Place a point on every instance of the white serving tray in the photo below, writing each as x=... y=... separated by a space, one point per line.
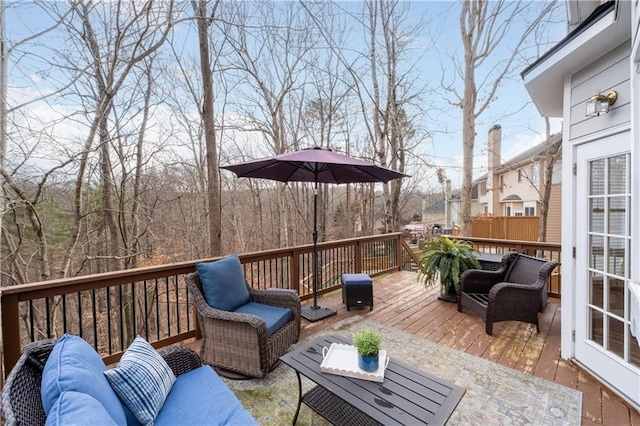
x=342 y=360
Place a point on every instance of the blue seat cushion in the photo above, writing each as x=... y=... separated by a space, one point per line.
x=200 y=397
x=74 y=365
x=274 y=316
x=223 y=283
x=78 y=409
x=356 y=279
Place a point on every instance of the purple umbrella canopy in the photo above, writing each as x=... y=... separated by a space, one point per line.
x=317 y=165
x=314 y=165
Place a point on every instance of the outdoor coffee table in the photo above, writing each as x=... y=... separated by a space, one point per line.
x=407 y=396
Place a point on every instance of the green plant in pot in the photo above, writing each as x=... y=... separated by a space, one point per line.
x=446 y=259
x=367 y=342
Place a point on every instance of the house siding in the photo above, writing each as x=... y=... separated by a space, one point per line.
x=524 y=189
x=610 y=72
x=554 y=216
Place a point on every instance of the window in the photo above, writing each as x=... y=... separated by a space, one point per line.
x=535 y=174
x=530 y=208
x=482 y=188
x=501 y=183
x=517 y=214
x=507 y=210
x=519 y=175
x=485 y=208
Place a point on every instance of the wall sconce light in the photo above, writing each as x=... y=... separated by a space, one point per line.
x=599 y=104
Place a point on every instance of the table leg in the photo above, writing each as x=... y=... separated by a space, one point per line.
x=295 y=418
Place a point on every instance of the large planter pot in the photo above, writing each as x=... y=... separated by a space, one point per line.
x=368 y=362
x=450 y=295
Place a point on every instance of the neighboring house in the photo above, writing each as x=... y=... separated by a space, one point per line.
x=598 y=61
x=514 y=188
x=446 y=210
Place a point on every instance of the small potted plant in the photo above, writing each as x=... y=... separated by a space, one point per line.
x=446 y=259
x=367 y=342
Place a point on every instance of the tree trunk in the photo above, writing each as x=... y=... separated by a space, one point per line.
x=207 y=113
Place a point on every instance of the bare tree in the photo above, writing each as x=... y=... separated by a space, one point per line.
x=486 y=26
x=204 y=18
x=269 y=42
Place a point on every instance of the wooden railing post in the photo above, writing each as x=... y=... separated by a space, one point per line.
x=358 y=257
x=399 y=252
x=10 y=331
x=294 y=273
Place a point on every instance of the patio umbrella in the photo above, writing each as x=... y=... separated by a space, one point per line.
x=317 y=165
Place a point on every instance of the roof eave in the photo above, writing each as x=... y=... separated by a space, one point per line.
x=599 y=34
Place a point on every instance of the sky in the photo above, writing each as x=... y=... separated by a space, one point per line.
x=436 y=41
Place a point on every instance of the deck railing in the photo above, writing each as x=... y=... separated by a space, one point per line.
x=108 y=310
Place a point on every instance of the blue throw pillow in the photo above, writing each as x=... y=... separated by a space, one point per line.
x=78 y=409
x=74 y=365
x=223 y=283
x=142 y=380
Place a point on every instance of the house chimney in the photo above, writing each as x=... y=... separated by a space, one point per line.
x=494 y=161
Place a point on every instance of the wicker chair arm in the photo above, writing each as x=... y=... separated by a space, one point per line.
x=546 y=270
x=516 y=296
x=21 y=402
x=479 y=281
x=276 y=297
x=181 y=359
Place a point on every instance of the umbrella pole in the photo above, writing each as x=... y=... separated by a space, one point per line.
x=314 y=312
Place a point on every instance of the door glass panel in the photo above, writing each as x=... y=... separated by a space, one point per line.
x=595 y=333
x=634 y=351
x=596 y=175
x=596 y=219
x=616 y=296
x=617 y=215
x=618 y=174
x=596 y=258
x=615 y=341
x=597 y=290
x=616 y=255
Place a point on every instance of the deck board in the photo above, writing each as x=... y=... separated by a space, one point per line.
x=403 y=303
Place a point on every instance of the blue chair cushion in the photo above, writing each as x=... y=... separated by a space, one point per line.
x=142 y=380
x=356 y=279
x=223 y=283
x=200 y=397
x=274 y=316
x=74 y=365
x=78 y=409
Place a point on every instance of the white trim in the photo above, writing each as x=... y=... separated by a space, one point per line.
x=545 y=81
x=567 y=302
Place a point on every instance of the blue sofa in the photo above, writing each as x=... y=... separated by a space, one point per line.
x=63 y=382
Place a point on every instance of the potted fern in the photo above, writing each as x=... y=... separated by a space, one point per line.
x=367 y=342
x=446 y=259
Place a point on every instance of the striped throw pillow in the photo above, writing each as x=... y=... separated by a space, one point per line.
x=142 y=380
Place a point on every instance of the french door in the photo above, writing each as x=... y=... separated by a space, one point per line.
x=604 y=343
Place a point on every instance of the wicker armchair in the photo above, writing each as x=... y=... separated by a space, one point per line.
x=517 y=291
x=21 y=399
x=236 y=344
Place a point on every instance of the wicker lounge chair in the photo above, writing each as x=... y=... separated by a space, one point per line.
x=517 y=291
x=21 y=394
x=236 y=344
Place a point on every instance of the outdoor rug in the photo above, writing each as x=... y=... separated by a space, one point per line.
x=496 y=395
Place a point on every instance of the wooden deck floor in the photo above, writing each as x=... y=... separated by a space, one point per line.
x=401 y=302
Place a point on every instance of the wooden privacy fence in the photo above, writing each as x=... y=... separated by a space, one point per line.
x=520 y=228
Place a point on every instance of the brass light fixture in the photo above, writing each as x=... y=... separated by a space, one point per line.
x=599 y=104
